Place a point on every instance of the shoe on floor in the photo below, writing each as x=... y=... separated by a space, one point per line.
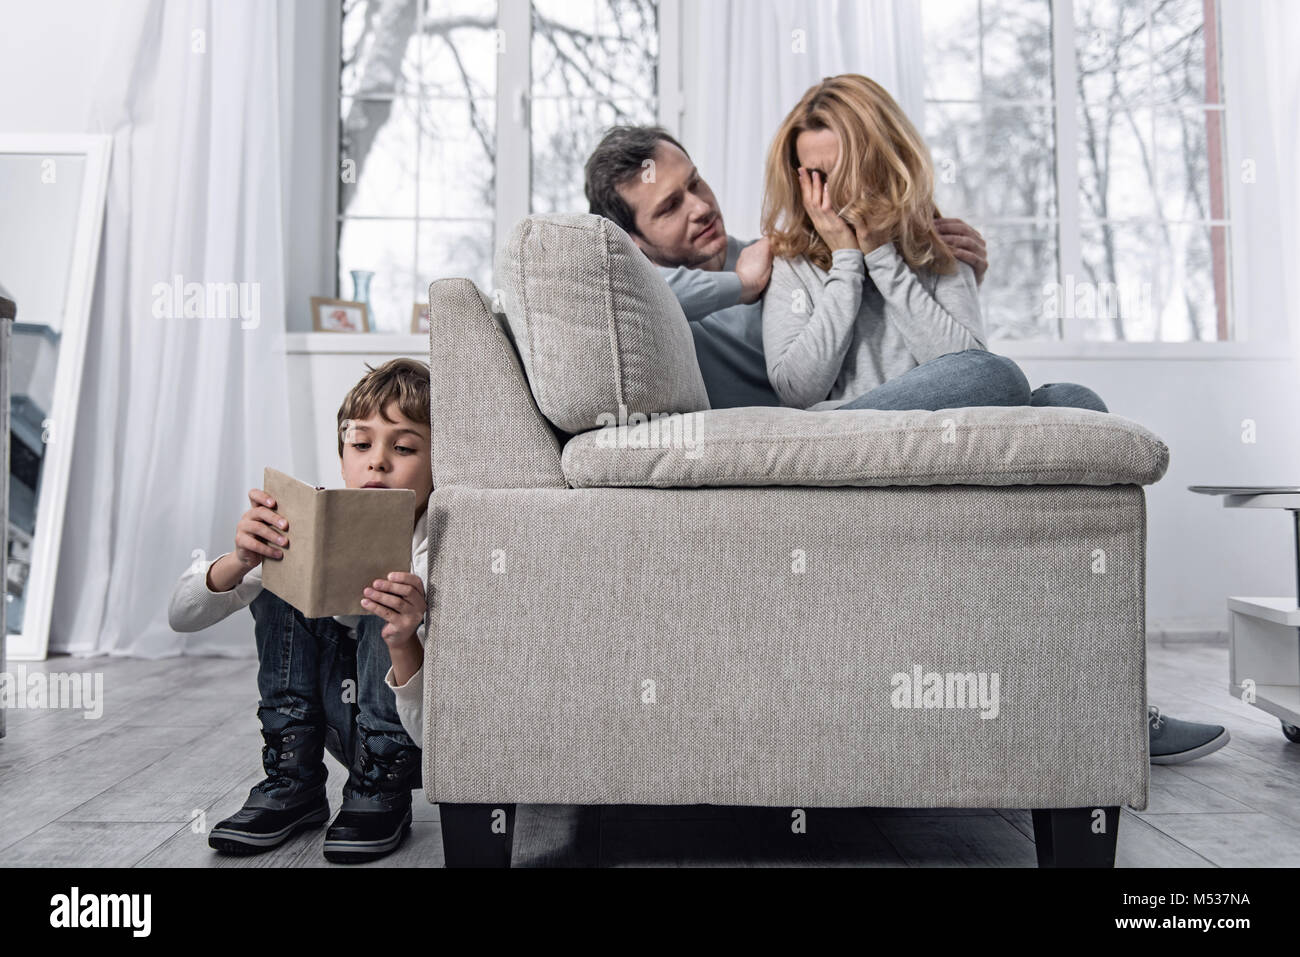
x=253 y=829
x=291 y=796
x=1174 y=741
x=376 y=813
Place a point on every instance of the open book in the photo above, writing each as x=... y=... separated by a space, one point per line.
x=340 y=540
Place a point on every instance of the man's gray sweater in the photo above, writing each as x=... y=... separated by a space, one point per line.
x=728 y=335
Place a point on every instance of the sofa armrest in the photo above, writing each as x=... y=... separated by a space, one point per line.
x=485 y=427
x=979 y=445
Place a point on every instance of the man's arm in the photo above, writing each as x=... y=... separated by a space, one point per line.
x=700 y=292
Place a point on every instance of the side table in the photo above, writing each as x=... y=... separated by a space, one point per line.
x=1264 y=633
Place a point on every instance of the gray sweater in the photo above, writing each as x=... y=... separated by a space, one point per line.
x=831 y=336
x=728 y=335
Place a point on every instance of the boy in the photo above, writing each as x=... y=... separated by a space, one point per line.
x=307 y=667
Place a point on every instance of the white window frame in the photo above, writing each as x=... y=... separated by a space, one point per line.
x=514 y=171
x=1072 y=344
x=513 y=99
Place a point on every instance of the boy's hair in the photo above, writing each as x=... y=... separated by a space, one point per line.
x=403 y=380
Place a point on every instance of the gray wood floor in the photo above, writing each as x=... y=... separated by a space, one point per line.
x=180 y=738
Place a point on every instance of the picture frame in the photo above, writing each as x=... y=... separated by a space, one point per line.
x=339 y=315
x=420 y=318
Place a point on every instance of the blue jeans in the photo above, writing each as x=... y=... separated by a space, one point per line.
x=972 y=377
x=310 y=671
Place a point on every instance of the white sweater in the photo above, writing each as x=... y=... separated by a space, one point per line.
x=194 y=606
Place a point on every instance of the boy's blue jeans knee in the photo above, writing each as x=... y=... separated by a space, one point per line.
x=310 y=670
x=969 y=378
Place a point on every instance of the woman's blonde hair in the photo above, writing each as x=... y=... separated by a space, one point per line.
x=883 y=175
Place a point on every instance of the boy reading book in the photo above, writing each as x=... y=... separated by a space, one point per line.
x=323 y=682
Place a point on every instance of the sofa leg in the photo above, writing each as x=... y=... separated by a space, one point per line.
x=1076 y=836
x=477 y=835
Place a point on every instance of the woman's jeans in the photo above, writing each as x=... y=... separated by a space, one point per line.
x=972 y=377
x=309 y=671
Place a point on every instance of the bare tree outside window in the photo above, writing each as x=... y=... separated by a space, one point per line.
x=418 y=128
x=1151 y=166
x=1152 y=225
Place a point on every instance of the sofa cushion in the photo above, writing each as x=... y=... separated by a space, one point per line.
x=978 y=445
x=596 y=326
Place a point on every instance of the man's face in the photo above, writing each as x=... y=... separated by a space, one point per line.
x=390 y=454
x=678 y=222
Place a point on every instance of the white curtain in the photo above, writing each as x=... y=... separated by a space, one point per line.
x=178 y=416
x=746 y=63
x=1261 y=79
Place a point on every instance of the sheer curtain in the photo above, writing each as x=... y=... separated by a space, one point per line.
x=178 y=415
x=747 y=62
x=1261 y=79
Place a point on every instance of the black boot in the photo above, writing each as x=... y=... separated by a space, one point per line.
x=376 y=812
x=291 y=797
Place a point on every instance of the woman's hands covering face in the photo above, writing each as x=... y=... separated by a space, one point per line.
x=830 y=226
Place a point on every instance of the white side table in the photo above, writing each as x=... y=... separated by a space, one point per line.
x=1264 y=633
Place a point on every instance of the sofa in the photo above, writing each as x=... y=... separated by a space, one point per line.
x=636 y=599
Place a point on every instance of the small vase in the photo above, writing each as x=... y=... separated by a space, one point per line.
x=361 y=291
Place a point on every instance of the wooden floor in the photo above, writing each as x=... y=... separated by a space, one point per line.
x=179 y=738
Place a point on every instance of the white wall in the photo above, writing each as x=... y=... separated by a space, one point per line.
x=52 y=53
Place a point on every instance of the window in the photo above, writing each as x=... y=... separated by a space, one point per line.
x=448 y=134
x=1084 y=138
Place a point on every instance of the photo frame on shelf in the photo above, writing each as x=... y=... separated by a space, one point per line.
x=420 y=318
x=339 y=315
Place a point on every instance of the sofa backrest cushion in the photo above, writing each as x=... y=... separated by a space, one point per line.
x=600 y=335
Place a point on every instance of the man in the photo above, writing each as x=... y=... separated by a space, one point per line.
x=718 y=279
x=642 y=179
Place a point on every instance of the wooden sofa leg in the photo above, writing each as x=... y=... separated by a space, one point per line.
x=1076 y=836
x=477 y=835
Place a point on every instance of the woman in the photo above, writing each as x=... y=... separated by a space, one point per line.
x=849 y=197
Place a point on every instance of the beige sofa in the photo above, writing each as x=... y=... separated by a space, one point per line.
x=766 y=607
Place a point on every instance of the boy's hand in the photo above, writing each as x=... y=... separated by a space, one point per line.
x=399 y=600
x=259 y=531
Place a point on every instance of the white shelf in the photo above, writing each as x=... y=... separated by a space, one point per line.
x=1281 y=611
x=357 y=343
x=1281 y=701
x=1263 y=500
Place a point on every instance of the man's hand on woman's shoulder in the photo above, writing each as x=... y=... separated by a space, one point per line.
x=754 y=267
x=966 y=244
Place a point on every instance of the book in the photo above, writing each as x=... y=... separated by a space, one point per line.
x=340 y=541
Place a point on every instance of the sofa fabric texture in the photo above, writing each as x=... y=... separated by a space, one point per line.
x=740 y=646
x=981 y=445
x=599 y=332
x=735 y=631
